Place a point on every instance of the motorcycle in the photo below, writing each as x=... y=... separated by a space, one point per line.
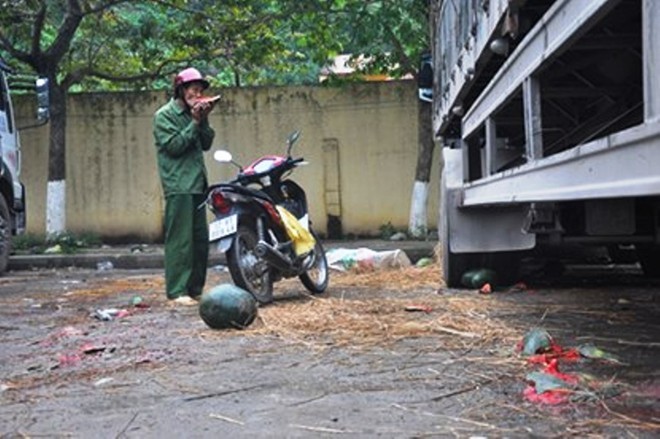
x=262 y=225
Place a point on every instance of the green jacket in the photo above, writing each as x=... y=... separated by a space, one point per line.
x=180 y=145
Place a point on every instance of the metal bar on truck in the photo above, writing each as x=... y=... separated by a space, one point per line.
x=532 y=111
x=564 y=22
x=452 y=75
x=651 y=49
x=491 y=144
x=623 y=164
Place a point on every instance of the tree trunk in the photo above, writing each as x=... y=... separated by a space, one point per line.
x=56 y=190
x=417 y=225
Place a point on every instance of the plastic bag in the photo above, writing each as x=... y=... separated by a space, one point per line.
x=303 y=241
x=364 y=259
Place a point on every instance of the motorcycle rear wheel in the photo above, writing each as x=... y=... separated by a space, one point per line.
x=317 y=277
x=247 y=270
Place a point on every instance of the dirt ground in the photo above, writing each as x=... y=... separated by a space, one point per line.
x=385 y=354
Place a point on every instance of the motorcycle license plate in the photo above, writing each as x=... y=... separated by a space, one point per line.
x=223 y=227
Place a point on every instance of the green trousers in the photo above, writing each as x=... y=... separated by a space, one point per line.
x=186 y=245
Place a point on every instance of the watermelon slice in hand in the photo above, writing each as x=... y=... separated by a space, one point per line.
x=207 y=99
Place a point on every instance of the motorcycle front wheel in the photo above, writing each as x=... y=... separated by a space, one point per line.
x=317 y=277
x=247 y=270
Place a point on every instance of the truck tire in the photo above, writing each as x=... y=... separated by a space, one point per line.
x=453 y=264
x=505 y=264
x=621 y=254
x=5 y=234
x=453 y=267
x=649 y=259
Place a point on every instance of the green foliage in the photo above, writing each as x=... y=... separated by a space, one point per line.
x=390 y=35
x=67 y=242
x=387 y=230
x=83 y=45
x=139 y=44
x=28 y=241
x=420 y=232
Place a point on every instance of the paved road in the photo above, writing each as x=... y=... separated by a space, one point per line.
x=349 y=363
x=145 y=256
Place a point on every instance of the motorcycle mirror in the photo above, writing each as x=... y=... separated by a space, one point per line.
x=222 y=156
x=293 y=137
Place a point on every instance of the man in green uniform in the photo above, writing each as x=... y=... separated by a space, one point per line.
x=182 y=133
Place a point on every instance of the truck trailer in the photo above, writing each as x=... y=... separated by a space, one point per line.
x=548 y=112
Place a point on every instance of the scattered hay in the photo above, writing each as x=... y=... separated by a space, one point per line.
x=403 y=279
x=437 y=251
x=379 y=317
x=460 y=323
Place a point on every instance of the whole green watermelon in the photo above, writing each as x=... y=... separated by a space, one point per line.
x=479 y=277
x=227 y=306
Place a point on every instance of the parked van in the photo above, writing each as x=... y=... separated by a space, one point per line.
x=12 y=191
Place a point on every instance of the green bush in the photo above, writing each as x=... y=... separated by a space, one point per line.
x=68 y=242
x=28 y=241
x=387 y=230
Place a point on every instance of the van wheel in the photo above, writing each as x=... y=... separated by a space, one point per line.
x=5 y=234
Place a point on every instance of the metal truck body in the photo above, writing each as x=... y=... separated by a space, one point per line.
x=549 y=116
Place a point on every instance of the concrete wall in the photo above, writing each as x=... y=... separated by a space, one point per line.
x=360 y=141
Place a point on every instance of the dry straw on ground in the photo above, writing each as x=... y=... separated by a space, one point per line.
x=356 y=312
x=460 y=322
x=359 y=309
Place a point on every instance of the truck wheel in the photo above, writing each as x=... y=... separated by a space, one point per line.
x=649 y=259
x=453 y=264
x=5 y=234
x=505 y=264
x=620 y=254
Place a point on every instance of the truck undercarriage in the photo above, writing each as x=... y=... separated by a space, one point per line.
x=549 y=112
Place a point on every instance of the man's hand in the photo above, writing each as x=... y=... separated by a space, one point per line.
x=201 y=110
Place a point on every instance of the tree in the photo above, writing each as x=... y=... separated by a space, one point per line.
x=68 y=43
x=393 y=36
x=384 y=36
x=86 y=44
x=113 y=44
